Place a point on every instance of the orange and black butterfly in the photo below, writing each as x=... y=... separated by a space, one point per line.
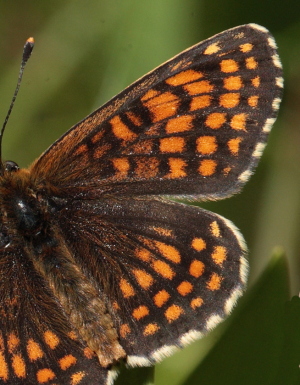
x=96 y=266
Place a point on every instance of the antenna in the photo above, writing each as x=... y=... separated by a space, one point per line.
x=28 y=47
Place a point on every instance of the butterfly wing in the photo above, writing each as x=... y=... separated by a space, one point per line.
x=37 y=343
x=170 y=272
x=194 y=126
x=162 y=273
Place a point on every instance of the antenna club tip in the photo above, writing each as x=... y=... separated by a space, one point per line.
x=28 y=47
x=30 y=40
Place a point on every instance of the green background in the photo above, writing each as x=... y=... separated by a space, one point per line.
x=85 y=53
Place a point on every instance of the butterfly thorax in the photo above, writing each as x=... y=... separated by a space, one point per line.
x=29 y=222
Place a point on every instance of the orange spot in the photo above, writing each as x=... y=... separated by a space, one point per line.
x=126 y=288
x=67 y=361
x=34 y=350
x=162 y=106
x=215 y=229
x=140 y=312
x=184 y=77
x=229 y=100
x=149 y=95
x=196 y=302
x=3 y=368
x=256 y=81
x=215 y=282
x=213 y=48
x=45 y=375
x=162 y=231
x=143 y=254
x=122 y=166
x=229 y=65
x=124 y=330
x=219 y=254
x=251 y=63
x=163 y=269
x=199 y=102
x=88 y=353
x=185 y=288
x=253 y=101
x=215 y=120
x=177 y=167
x=198 y=244
x=77 y=377
x=161 y=298
x=179 y=64
x=18 y=365
x=206 y=145
x=115 y=305
x=180 y=124
x=233 y=83
x=234 y=145
x=51 y=339
x=202 y=87
x=226 y=170
x=207 y=167
x=238 y=122
x=134 y=119
x=150 y=329
x=173 y=313
x=173 y=144
x=196 y=268
x=120 y=130
x=97 y=137
x=144 y=279
x=81 y=150
x=147 y=167
x=168 y=251
x=246 y=47
x=73 y=335
x=12 y=342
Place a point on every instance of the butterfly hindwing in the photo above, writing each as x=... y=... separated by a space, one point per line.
x=174 y=271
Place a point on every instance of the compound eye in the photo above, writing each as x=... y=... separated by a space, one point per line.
x=4 y=240
x=11 y=166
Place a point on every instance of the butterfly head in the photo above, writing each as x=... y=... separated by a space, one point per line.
x=10 y=166
x=23 y=211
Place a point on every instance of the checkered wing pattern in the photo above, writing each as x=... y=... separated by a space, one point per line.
x=196 y=125
x=37 y=343
x=95 y=266
x=174 y=271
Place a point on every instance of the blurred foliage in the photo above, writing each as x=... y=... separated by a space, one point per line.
x=241 y=358
x=88 y=51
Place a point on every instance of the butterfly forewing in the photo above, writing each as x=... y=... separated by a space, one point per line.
x=95 y=267
x=197 y=125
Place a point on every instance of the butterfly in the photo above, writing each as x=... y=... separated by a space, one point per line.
x=97 y=265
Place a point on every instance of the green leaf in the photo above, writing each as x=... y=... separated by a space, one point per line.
x=289 y=361
x=136 y=376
